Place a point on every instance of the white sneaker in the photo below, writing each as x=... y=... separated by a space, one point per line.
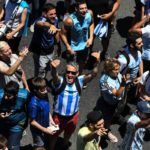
x=112 y=138
x=32 y=28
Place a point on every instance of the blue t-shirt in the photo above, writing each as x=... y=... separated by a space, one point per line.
x=42 y=38
x=107 y=84
x=17 y=109
x=80 y=31
x=39 y=110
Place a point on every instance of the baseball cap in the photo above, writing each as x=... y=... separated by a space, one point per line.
x=143 y=106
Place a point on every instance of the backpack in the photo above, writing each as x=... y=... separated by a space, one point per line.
x=122 y=52
x=56 y=92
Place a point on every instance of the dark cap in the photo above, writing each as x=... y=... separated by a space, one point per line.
x=144 y=107
x=94 y=116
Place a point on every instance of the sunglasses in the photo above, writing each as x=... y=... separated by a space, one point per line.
x=71 y=72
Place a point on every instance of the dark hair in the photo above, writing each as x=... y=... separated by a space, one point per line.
x=3 y=142
x=132 y=37
x=11 y=87
x=48 y=7
x=94 y=117
x=79 y=2
x=38 y=83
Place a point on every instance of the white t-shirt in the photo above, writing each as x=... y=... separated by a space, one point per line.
x=145 y=81
x=4 y=79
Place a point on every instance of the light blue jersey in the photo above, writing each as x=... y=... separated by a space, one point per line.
x=134 y=63
x=133 y=138
x=107 y=84
x=79 y=31
x=66 y=103
x=146 y=42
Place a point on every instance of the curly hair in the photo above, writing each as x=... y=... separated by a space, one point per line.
x=110 y=64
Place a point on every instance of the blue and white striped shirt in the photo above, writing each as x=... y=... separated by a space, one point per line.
x=66 y=103
x=107 y=84
x=133 y=138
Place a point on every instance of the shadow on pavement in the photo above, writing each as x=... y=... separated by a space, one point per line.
x=123 y=25
x=26 y=147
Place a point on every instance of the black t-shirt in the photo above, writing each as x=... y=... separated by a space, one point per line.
x=100 y=6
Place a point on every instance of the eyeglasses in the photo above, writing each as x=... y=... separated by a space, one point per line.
x=71 y=72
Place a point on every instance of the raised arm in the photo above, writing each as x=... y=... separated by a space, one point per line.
x=137 y=27
x=14 y=67
x=52 y=29
x=54 y=73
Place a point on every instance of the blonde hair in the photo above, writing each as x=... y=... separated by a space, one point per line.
x=2 y=44
x=110 y=64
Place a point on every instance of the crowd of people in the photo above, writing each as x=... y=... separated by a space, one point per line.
x=124 y=78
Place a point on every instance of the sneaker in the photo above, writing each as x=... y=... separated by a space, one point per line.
x=32 y=28
x=84 y=86
x=66 y=147
x=24 y=133
x=112 y=138
x=112 y=28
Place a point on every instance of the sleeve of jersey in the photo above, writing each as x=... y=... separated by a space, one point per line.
x=123 y=61
x=145 y=30
x=143 y=78
x=106 y=91
x=81 y=80
x=32 y=109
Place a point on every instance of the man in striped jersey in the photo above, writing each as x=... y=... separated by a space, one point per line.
x=67 y=95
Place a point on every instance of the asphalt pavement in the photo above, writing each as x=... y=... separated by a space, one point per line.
x=91 y=94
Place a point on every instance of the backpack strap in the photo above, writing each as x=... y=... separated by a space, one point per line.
x=63 y=86
x=77 y=84
x=122 y=52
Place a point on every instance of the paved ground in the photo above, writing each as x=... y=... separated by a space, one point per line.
x=91 y=94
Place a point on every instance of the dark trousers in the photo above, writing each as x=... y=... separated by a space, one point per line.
x=13 y=138
x=37 y=6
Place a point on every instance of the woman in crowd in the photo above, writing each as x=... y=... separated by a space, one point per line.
x=112 y=86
